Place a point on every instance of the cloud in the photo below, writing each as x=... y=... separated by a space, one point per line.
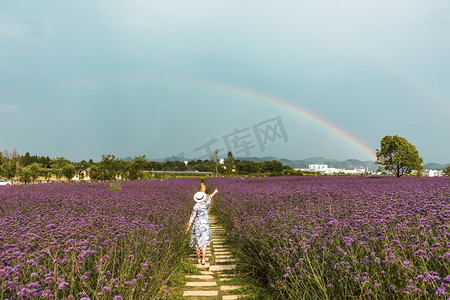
x=6 y=108
x=9 y=29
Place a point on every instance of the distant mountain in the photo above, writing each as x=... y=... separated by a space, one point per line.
x=296 y=164
x=434 y=166
x=354 y=164
x=319 y=160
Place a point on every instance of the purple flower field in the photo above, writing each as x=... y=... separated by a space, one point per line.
x=85 y=240
x=340 y=237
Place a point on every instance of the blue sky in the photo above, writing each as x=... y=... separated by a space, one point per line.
x=84 y=78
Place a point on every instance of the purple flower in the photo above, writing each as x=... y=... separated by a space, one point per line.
x=440 y=291
x=34 y=285
x=31 y=262
x=63 y=285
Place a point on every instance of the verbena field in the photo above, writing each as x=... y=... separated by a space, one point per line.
x=76 y=240
x=301 y=238
x=340 y=237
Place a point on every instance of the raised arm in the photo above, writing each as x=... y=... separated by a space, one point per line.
x=208 y=201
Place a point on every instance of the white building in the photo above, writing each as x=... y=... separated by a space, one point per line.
x=432 y=173
x=323 y=169
x=353 y=171
x=318 y=167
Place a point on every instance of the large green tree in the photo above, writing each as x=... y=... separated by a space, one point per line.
x=273 y=167
x=25 y=175
x=25 y=160
x=35 y=171
x=229 y=163
x=135 y=169
x=8 y=169
x=8 y=165
x=94 y=173
x=68 y=171
x=58 y=165
x=398 y=156
x=109 y=166
x=247 y=167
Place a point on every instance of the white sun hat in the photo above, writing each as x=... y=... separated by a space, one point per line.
x=199 y=197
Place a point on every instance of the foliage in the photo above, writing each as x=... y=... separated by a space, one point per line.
x=108 y=167
x=35 y=171
x=247 y=167
x=28 y=159
x=58 y=165
x=229 y=164
x=292 y=172
x=68 y=171
x=8 y=166
x=94 y=173
x=174 y=166
x=446 y=171
x=340 y=237
x=111 y=168
x=201 y=165
x=398 y=156
x=273 y=167
x=135 y=170
x=155 y=165
x=25 y=174
x=140 y=162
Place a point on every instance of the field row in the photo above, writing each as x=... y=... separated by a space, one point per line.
x=335 y=238
x=96 y=240
x=300 y=237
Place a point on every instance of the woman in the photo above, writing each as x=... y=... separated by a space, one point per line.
x=201 y=232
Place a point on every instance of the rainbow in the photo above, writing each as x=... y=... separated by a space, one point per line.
x=328 y=126
x=295 y=109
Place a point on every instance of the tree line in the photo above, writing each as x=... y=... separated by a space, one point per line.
x=396 y=156
x=28 y=168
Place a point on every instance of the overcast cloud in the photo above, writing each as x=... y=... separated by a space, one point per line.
x=84 y=78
